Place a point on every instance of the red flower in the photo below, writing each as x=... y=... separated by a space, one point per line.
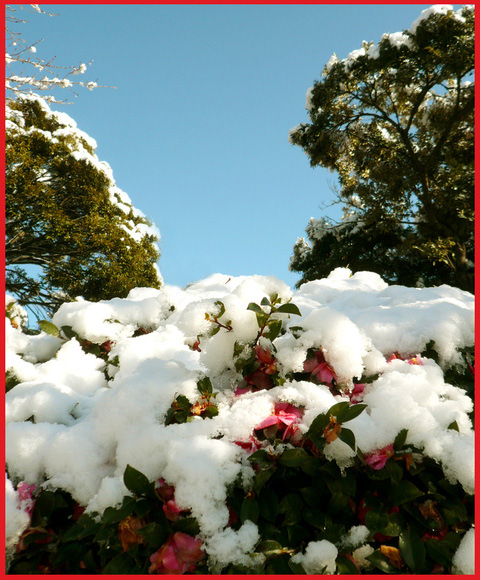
x=77 y=511
x=164 y=490
x=378 y=458
x=356 y=395
x=172 y=511
x=438 y=535
x=319 y=368
x=251 y=445
x=242 y=390
x=284 y=417
x=25 y=495
x=261 y=377
x=268 y=364
x=179 y=555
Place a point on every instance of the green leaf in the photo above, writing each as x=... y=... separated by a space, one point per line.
x=143 y=506
x=274 y=328
x=395 y=525
x=221 y=307
x=205 y=386
x=395 y=471
x=289 y=309
x=182 y=402
x=348 y=437
x=45 y=504
x=292 y=506
x=265 y=301
x=454 y=511
x=338 y=409
x=293 y=457
x=210 y=411
x=113 y=515
x=255 y=308
x=48 y=328
x=404 y=492
x=351 y=412
x=412 y=549
x=269 y=548
x=400 y=439
x=250 y=510
x=381 y=562
x=69 y=332
x=187 y=526
x=155 y=534
x=261 y=478
x=345 y=565
x=453 y=426
x=376 y=521
x=121 y=564
x=268 y=502
x=261 y=458
x=318 y=425
x=137 y=482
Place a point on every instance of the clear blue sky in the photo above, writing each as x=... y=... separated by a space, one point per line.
x=197 y=131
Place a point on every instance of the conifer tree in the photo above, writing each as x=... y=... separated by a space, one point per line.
x=66 y=216
x=396 y=121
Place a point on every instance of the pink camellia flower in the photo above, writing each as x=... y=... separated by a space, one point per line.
x=284 y=416
x=239 y=391
x=164 y=490
x=378 y=458
x=261 y=377
x=172 y=511
x=250 y=445
x=319 y=368
x=177 y=556
x=25 y=495
x=356 y=394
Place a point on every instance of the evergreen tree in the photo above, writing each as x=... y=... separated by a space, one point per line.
x=396 y=121
x=65 y=215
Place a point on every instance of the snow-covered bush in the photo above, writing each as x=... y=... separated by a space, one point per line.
x=239 y=427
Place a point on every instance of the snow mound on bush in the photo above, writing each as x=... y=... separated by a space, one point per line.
x=75 y=421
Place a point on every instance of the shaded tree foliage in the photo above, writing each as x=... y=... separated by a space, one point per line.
x=65 y=215
x=396 y=121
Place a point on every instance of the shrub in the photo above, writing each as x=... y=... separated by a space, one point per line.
x=236 y=428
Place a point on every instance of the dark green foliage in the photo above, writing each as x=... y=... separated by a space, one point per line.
x=398 y=127
x=64 y=215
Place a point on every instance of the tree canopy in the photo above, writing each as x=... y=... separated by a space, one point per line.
x=65 y=215
x=396 y=121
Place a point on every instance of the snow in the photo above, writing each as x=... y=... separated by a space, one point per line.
x=464 y=558
x=16 y=518
x=356 y=536
x=75 y=421
x=433 y=10
x=318 y=556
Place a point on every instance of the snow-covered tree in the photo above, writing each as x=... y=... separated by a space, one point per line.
x=396 y=121
x=65 y=214
x=25 y=71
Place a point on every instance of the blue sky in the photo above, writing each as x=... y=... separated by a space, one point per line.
x=196 y=131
